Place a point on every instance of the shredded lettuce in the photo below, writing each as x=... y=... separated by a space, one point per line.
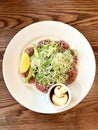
x=35 y=51
x=49 y=65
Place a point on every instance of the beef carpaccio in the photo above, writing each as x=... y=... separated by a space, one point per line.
x=51 y=62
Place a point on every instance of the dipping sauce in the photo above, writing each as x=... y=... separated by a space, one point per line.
x=59 y=95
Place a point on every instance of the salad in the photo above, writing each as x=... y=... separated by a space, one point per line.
x=48 y=62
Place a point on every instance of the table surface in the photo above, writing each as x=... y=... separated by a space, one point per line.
x=16 y=14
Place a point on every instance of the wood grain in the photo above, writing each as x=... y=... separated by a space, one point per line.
x=81 y=14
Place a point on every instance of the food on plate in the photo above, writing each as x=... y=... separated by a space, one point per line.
x=59 y=95
x=49 y=62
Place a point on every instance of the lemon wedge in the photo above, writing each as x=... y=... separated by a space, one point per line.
x=25 y=62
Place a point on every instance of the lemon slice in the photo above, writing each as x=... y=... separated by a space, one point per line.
x=25 y=62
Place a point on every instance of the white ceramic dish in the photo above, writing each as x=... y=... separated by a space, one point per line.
x=59 y=95
x=32 y=98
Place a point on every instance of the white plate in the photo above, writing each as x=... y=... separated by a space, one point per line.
x=32 y=98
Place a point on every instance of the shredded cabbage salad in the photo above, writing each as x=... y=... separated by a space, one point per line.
x=49 y=65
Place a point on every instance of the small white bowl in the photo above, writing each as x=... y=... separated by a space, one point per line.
x=68 y=93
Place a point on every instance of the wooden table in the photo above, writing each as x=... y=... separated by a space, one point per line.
x=16 y=14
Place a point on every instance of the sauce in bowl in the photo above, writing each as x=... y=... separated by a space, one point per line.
x=59 y=95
